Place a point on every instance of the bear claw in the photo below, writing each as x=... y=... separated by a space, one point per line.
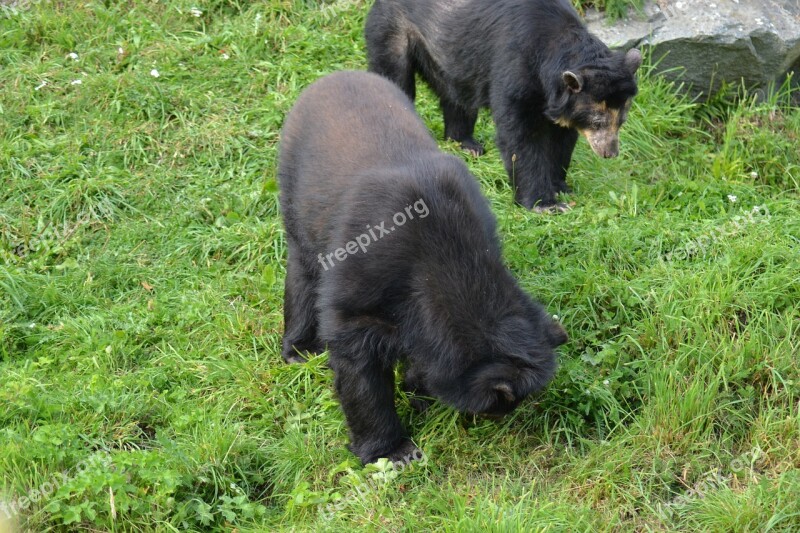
x=560 y=207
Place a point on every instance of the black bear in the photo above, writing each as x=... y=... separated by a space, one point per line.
x=393 y=260
x=533 y=62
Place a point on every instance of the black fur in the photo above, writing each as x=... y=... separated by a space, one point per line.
x=544 y=76
x=432 y=295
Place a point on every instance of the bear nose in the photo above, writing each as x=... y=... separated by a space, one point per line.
x=612 y=150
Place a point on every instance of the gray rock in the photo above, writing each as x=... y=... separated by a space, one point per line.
x=706 y=42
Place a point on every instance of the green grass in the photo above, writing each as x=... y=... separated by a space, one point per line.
x=612 y=9
x=141 y=266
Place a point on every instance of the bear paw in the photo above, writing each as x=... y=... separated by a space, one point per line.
x=403 y=452
x=560 y=207
x=472 y=147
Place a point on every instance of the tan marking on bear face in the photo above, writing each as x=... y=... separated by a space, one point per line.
x=603 y=129
x=598 y=123
x=563 y=122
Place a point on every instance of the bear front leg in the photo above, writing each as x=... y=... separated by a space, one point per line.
x=414 y=388
x=536 y=154
x=562 y=142
x=366 y=392
x=459 y=125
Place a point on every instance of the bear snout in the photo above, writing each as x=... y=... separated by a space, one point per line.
x=611 y=151
x=603 y=143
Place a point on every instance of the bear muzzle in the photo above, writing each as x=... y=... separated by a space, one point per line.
x=604 y=142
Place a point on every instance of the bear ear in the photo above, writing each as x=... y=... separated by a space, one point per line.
x=504 y=388
x=633 y=60
x=573 y=81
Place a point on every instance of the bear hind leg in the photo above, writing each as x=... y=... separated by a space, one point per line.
x=299 y=311
x=389 y=52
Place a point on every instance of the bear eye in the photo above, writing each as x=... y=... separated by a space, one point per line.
x=598 y=123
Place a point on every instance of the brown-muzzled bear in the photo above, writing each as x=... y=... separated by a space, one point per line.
x=533 y=62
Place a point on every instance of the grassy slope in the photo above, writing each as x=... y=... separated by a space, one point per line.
x=141 y=268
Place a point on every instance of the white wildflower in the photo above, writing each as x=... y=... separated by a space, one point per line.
x=154 y=73
x=225 y=56
x=73 y=56
x=606 y=382
x=732 y=198
x=120 y=51
x=754 y=175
